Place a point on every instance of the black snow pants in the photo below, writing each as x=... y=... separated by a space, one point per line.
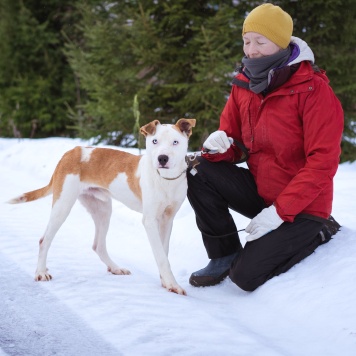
x=220 y=186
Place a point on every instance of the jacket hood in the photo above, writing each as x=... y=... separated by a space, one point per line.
x=300 y=51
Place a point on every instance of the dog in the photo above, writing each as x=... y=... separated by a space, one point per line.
x=154 y=184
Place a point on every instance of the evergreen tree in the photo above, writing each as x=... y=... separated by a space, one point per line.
x=218 y=46
x=103 y=61
x=177 y=56
x=36 y=81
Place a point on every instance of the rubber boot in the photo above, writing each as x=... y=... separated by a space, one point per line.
x=214 y=273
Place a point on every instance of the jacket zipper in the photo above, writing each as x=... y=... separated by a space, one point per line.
x=249 y=119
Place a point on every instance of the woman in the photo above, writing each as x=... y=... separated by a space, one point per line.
x=283 y=110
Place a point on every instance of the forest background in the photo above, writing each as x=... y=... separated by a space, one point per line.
x=72 y=68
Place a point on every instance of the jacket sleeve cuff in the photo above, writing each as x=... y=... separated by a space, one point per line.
x=231 y=155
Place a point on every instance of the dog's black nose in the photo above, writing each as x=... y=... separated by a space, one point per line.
x=163 y=159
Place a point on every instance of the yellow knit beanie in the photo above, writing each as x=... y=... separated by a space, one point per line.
x=272 y=22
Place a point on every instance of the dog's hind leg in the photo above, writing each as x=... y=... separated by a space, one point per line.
x=60 y=211
x=99 y=205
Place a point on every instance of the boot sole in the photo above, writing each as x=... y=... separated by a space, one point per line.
x=207 y=281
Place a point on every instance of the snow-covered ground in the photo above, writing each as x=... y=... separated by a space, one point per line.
x=84 y=310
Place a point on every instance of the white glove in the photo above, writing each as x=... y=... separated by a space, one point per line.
x=217 y=142
x=263 y=223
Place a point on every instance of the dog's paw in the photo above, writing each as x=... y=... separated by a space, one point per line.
x=177 y=289
x=118 y=270
x=42 y=276
x=174 y=288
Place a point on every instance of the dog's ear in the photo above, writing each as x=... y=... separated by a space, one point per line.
x=150 y=128
x=185 y=125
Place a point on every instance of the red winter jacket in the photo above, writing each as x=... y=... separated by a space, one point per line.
x=293 y=136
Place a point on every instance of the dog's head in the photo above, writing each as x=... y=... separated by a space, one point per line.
x=167 y=145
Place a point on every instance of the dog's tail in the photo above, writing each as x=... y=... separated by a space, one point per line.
x=33 y=195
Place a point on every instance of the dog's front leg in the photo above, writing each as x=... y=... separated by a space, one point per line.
x=165 y=227
x=151 y=225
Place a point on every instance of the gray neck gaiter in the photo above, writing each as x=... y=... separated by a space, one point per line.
x=257 y=69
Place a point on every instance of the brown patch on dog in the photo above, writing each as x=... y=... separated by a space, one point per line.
x=168 y=211
x=150 y=128
x=185 y=126
x=68 y=164
x=102 y=167
x=105 y=164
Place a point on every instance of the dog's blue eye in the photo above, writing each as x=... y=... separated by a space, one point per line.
x=154 y=141
x=175 y=142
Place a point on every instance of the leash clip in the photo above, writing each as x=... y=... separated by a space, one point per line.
x=193 y=162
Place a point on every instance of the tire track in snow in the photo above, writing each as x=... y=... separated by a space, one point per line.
x=33 y=322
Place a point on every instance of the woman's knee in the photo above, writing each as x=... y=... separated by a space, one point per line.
x=244 y=279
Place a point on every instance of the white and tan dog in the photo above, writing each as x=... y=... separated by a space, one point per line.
x=154 y=184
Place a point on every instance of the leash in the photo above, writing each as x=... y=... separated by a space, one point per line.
x=192 y=159
x=245 y=155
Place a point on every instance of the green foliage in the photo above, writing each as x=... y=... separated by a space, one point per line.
x=136 y=129
x=106 y=73
x=35 y=79
x=212 y=68
x=74 y=67
x=176 y=55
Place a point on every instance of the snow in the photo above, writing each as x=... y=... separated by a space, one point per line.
x=84 y=310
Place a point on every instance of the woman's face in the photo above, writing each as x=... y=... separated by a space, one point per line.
x=257 y=46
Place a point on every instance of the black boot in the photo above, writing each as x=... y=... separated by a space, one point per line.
x=329 y=229
x=216 y=271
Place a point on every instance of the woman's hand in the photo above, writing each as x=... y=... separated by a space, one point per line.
x=263 y=223
x=217 y=142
